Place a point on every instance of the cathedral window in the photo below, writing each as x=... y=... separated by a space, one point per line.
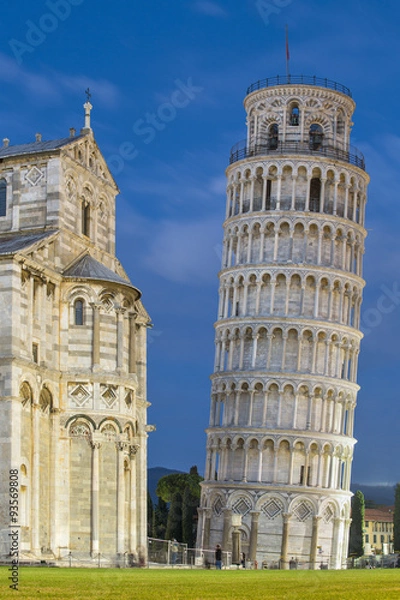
x=35 y=353
x=316 y=136
x=78 y=312
x=3 y=197
x=86 y=218
x=315 y=194
x=273 y=137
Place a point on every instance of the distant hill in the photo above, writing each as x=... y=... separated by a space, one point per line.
x=153 y=475
x=380 y=494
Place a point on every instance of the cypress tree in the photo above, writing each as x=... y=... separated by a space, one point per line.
x=396 y=519
x=161 y=518
x=189 y=511
x=150 y=516
x=174 y=522
x=356 y=541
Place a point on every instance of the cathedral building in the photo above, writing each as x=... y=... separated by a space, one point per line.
x=72 y=358
x=280 y=438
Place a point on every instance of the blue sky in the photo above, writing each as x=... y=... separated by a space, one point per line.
x=138 y=57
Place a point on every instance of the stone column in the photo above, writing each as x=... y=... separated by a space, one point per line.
x=264 y=194
x=262 y=241
x=322 y=195
x=307 y=206
x=207 y=523
x=226 y=528
x=238 y=249
x=260 y=463
x=251 y=408
x=252 y=180
x=241 y=197
x=230 y=251
x=53 y=483
x=276 y=244
x=336 y=546
x=319 y=473
x=258 y=297
x=95 y=492
x=285 y=540
x=335 y=193
x=278 y=194
x=314 y=542
x=200 y=523
x=265 y=408
x=293 y=204
x=119 y=310
x=121 y=447
x=291 y=465
x=254 y=353
x=132 y=342
x=253 y=535
x=133 y=507
x=273 y=285
x=96 y=335
x=230 y=352
x=35 y=497
x=355 y=201
x=345 y=546
x=284 y=339
x=346 y=200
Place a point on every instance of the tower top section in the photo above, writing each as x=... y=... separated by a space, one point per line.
x=290 y=115
x=299 y=80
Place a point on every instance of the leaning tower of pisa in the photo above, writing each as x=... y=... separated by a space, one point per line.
x=280 y=438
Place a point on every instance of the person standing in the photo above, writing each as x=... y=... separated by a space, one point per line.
x=174 y=550
x=218 y=557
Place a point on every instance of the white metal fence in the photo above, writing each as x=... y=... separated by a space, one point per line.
x=175 y=554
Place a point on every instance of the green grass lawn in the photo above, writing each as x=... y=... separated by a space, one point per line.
x=174 y=584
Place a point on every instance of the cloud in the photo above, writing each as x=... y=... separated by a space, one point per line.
x=185 y=252
x=212 y=9
x=52 y=85
x=105 y=92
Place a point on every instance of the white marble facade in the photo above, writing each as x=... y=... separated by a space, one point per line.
x=73 y=399
x=280 y=438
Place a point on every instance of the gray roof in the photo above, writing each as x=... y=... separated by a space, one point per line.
x=10 y=244
x=89 y=268
x=35 y=147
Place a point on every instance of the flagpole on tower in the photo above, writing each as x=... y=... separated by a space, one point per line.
x=287 y=54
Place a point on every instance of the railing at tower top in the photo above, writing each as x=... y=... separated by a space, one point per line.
x=299 y=80
x=327 y=149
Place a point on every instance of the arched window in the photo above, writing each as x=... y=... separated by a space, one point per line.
x=295 y=115
x=3 y=197
x=86 y=218
x=273 y=137
x=315 y=194
x=78 y=312
x=316 y=136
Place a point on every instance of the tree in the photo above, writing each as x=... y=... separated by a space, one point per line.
x=356 y=541
x=396 y=519
x=174 y=522
x=160 y=518
x=150 y=516
x=187 y=485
